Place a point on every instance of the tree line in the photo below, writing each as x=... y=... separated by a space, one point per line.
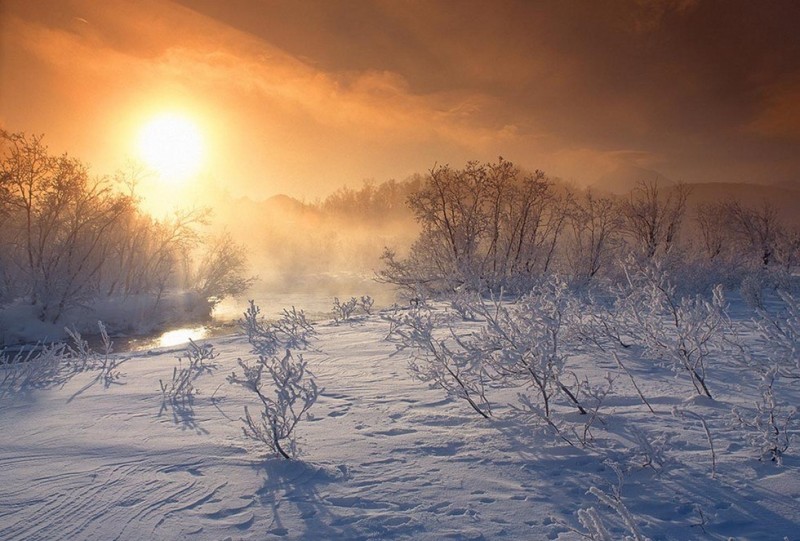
x=492 y=226
x=69 y=239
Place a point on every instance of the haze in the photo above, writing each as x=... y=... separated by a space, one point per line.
x=302 y=98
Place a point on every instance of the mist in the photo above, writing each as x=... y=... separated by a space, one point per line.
x=316 y=251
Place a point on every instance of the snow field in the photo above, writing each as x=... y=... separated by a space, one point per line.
x=384 y=457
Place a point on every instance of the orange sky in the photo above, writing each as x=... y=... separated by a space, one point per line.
x=302 y=97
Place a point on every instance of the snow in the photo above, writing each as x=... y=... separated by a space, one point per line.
x=383 y=456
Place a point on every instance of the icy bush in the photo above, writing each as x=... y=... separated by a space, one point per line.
x=442 y=363
x=347 y=310
x=292 y=330
x=181 y=390
x=283 y=385
x=594 y=522
x=365 y=303
x=46 y=365
x=771 y=427
x=343 y=311
x=782 y=332
x=524 y=342
x=286 y=396
x=39 y=367
x=684 y=332
x=463 y=303
x=106 y=363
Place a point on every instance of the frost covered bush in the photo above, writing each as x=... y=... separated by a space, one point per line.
x=222 y=270
x=365 y=303
x=343 y=311
x=525 y=342
x=180 y=389
x=771 y=427
x=442 y=362
x=520 y=343
x=44 y=365
x=292 y=330
x=283 y=385
x=463 y=303
x=782 y=331
x=286 y=391
x=594 y=522
x=106 y=363
x=683 y=332
x=38 y=367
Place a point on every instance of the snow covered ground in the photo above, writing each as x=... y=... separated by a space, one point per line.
x=384 y=456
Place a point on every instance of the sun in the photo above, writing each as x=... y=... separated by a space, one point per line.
x=172 y=145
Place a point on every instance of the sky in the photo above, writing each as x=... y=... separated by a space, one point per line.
x=302 y=97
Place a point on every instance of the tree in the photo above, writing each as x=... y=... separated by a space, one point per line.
x=484 y=228
x=595 y=223
x=758 y=229
x=222 y=269
x=57 y=220
x=68 y=239
x=652 y=219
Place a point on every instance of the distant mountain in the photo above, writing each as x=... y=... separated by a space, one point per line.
x=787 y=185
x=786 y=201
x=283 y=203
x=625 y=177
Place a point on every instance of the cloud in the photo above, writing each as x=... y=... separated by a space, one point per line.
x=303 y=97
x=779 y=115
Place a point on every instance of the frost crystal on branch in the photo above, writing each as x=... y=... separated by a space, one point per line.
x=284 y=386
x=453 y=367
x=286 y=395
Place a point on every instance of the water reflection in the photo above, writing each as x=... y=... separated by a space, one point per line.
x=182 y=336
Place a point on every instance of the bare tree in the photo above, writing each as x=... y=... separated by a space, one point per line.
x=595 y=223
x=715 y=234
x=484 y=227
x=651 y=218
x=758 y=228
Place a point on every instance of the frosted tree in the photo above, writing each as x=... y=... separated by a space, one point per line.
x=652 y=217
x=771 y=426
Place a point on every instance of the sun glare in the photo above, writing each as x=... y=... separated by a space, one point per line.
x=172 y=145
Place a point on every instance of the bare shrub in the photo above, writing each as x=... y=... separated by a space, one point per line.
x=442 y=363
x=771 y=426
x=180 y=390
x=283 y=385
x=286 y=397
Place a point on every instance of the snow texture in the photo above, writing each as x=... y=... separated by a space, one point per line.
x=383 y=456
